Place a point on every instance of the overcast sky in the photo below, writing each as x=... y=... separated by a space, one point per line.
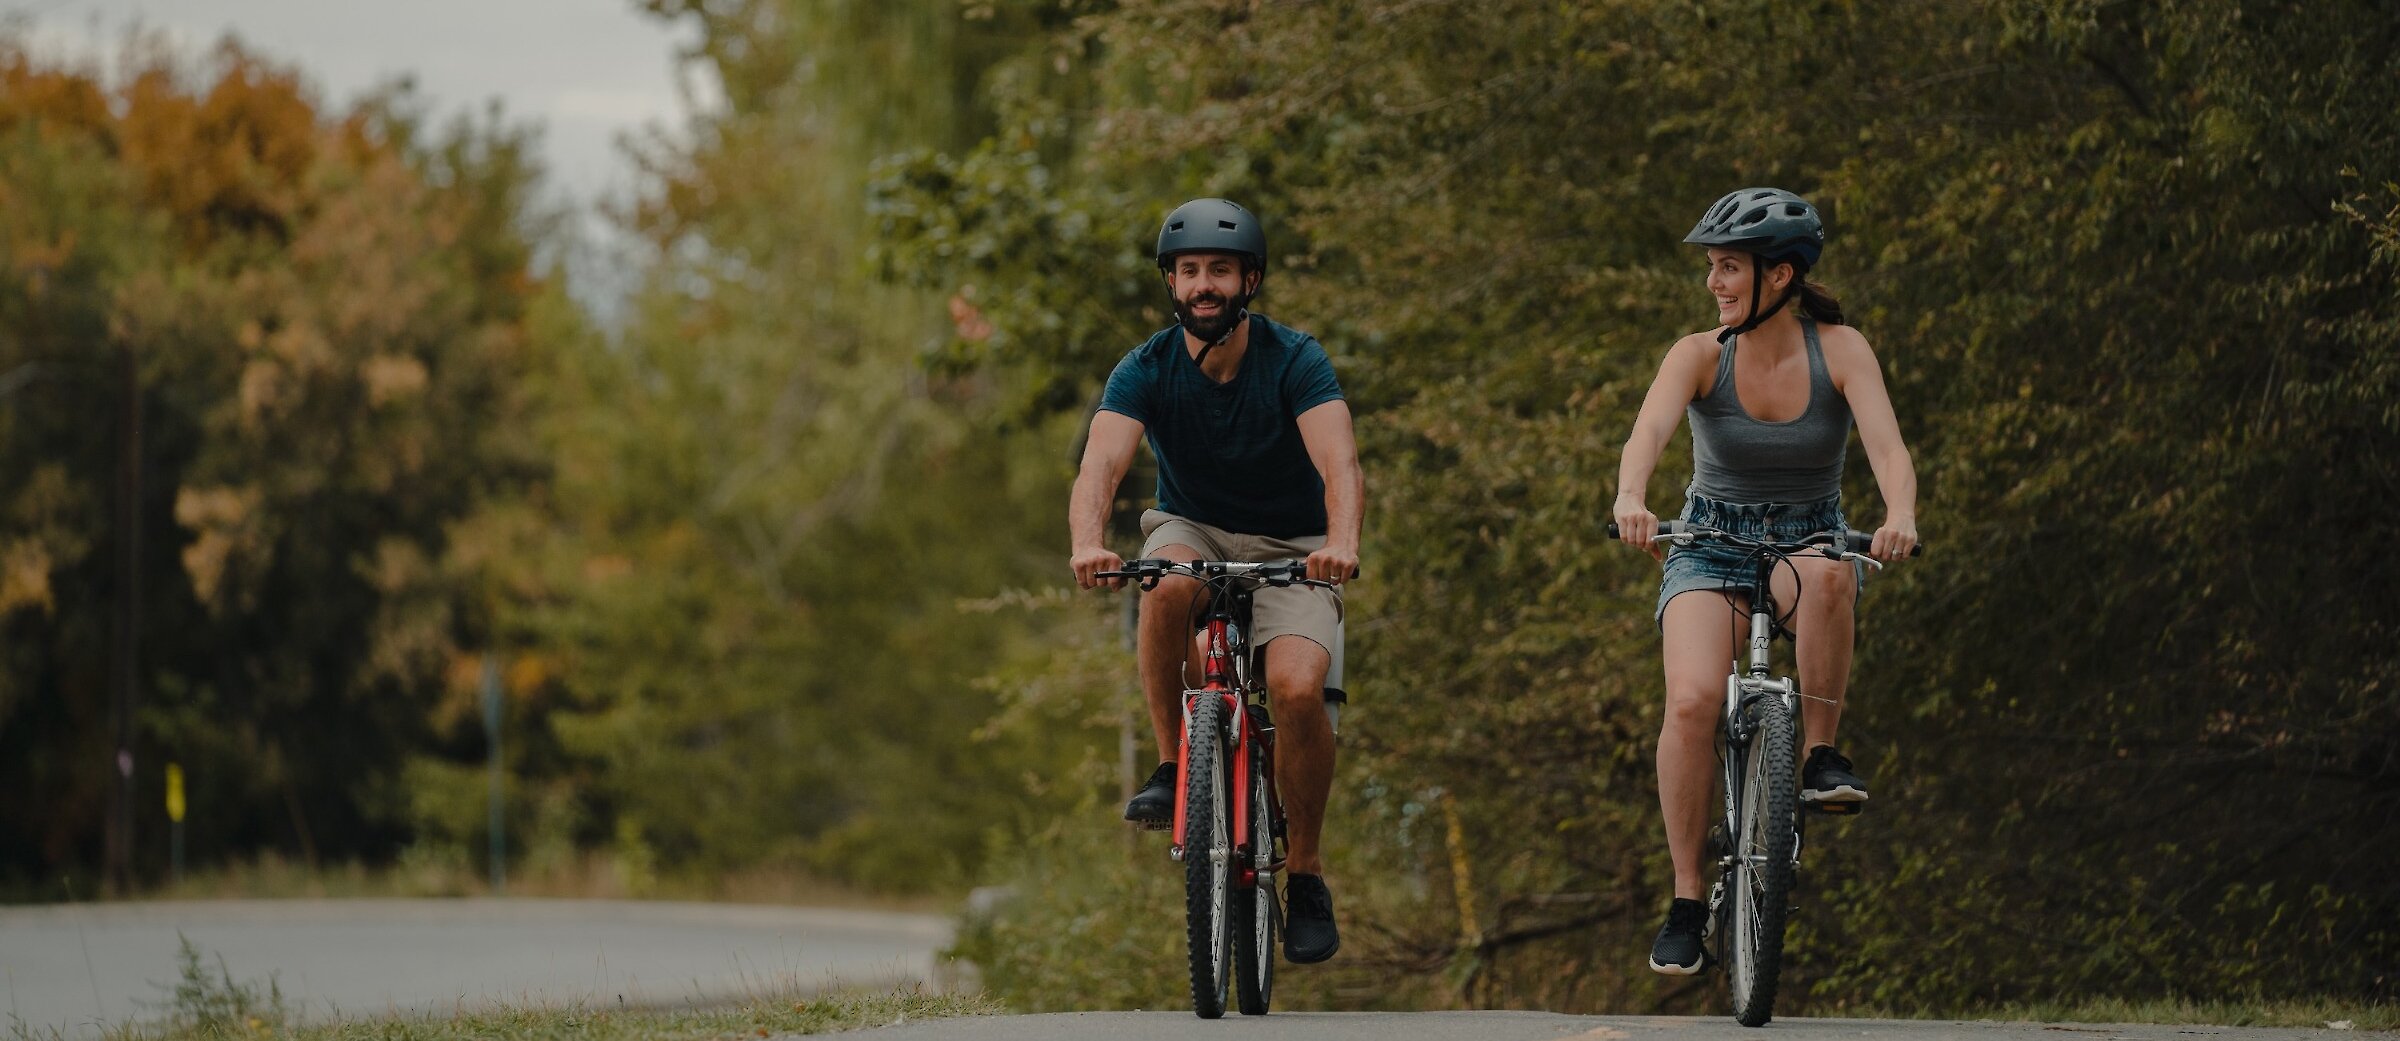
x=586 y=70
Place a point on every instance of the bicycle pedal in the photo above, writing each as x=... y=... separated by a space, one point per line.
x=1152 y=825
x=1836 y=809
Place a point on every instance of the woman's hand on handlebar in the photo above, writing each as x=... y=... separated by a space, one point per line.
x=1896 y=539
x=1637 y=526
x=1088 y=563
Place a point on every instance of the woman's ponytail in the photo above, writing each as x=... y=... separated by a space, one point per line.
x=1817 y=303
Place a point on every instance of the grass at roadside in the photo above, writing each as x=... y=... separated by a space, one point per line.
x=2223 y=1013
x=210 y=1005
x=590 y=876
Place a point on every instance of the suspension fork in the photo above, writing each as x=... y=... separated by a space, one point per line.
x=1217 y=676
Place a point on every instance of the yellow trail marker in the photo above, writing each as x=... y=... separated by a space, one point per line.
x=175 y=792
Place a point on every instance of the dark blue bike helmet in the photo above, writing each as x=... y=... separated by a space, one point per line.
x=1215 y=226
x=1772 y=225
x=1212 y=226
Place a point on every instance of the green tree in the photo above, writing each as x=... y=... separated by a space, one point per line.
x=2138 y=323
x=321 y=321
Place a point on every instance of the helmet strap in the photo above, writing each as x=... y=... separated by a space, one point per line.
x=1241 y=317
x=1758 y=280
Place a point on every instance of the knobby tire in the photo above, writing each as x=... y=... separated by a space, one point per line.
x=1257 y=919
x=1207 y=856
x=1764 y=841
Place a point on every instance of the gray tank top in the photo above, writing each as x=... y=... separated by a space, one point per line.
x=1736 y=458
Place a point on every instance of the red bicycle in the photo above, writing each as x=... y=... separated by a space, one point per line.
x=1229 y=827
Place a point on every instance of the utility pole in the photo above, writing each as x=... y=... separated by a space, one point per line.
x=123 y=671
x=491 y=736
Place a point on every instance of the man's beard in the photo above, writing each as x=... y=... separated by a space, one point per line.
x=1210 y=328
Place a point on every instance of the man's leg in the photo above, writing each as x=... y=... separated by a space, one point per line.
x=1163 y=642
x=1296 y=667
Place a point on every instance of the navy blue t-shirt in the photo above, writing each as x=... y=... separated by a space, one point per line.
x=1230 y=454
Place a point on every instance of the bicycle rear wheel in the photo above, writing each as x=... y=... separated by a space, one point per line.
x=1257 y=918
x=1207 y=855
x=1764 y=842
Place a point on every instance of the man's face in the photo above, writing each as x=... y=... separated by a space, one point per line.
x=1210 y=290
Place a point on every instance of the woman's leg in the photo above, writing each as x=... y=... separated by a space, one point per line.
x=1698 y=640
x=1822 y=624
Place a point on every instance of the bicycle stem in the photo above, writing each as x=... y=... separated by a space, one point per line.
x=1762 y=633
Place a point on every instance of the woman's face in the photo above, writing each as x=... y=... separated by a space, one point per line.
x=1729 y=274
x=1729 y=282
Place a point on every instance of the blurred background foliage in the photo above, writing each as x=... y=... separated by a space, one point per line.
x=772 y=569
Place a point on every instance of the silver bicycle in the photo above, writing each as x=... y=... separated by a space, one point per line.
x=1757 y=842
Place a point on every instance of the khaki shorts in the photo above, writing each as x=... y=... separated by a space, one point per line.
x=1304 y=611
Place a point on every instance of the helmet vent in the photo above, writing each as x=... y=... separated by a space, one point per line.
x=1226 y=225
x=1176 y=226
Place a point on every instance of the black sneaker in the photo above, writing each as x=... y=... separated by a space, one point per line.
x=1678 y=951
x=1154 y=805
x=1308 y=932
x=1827 y=778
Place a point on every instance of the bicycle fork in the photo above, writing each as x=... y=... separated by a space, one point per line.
x=1742 y=688
x=1238 y=770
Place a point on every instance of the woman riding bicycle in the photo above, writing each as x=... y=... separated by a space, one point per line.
x=1772 y=394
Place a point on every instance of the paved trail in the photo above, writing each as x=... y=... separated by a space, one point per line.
x=75 y=966
x=1537 y=1026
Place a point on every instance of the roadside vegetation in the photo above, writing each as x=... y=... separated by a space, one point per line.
x=592 y=876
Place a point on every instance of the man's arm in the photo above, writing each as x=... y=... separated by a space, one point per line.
x=1107 y=453
x=1333 y=446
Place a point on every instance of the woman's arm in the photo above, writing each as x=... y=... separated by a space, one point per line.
x=1678 y=382
x=1855 y=372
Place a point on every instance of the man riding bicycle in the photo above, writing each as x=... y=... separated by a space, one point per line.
x=1256 y=462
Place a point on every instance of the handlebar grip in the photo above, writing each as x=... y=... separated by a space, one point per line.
x=1665 y=527
x=1862 y=541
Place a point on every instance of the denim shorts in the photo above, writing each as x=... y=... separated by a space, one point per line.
x=1718 y=568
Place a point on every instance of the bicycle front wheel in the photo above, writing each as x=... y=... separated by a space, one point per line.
x=1207 y=855
x=1764 y=842
x=1257 y=920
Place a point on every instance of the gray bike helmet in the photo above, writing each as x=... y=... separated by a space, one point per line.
x=1212 y=226
x=1770 y=224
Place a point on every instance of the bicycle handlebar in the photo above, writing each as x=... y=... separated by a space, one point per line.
x=1149 y=570
x=1855 y=542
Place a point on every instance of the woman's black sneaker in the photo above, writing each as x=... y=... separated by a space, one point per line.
x=1308 y=932
x=1827 y=778
x=1154 y=805
x=1679 y=950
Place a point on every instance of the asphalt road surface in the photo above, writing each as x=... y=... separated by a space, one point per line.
x=1535 y=1026
x=77 y=966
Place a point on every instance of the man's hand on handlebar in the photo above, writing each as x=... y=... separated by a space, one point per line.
x=1333 y=564
x=1088 y=563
